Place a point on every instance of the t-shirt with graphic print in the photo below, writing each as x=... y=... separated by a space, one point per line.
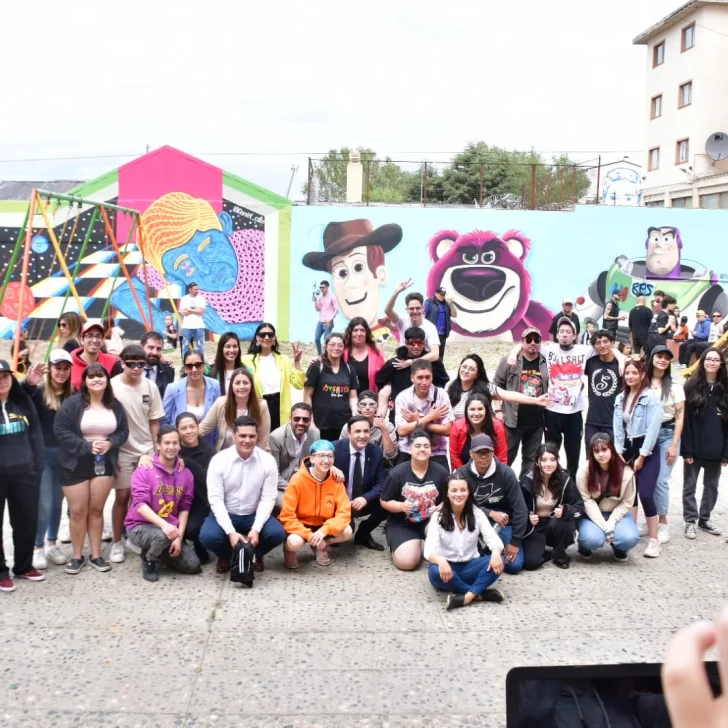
x=403 y=485
x=331 y=389
x=605 y=383
x=566 y=371
x=530 y=416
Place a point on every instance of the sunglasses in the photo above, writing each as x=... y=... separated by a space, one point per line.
x=196 y=365
x=62 y=325
x=266 y=335
x=416 y=342
x=716 y=315
x=135 y=364
x=533 y=339
x=96 y=376
x=305 y=420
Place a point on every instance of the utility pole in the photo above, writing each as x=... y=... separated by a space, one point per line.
x=294 y=169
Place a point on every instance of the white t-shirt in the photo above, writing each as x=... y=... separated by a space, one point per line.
x=432 y=338
x=270 y=377
x=193 y=320
x=566 y=375
x=677 y=395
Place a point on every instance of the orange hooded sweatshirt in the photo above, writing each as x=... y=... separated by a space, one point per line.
x=307 y=502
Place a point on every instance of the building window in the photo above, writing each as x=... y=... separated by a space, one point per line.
x=710 y=202
x=658 y=54
x=688 y=37
x=656 y=107
x=685 y=98
x=655 y=203
x=653 y=161
x=684 y=202
x=682 y=151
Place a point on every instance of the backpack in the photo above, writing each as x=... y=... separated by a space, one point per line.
x=241 y=564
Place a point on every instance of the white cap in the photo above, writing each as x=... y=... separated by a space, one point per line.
x=59 y=355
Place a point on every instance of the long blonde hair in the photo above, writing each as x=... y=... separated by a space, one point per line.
x=51 y=399
x=74 y=322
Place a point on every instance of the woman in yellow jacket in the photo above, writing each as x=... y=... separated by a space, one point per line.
x=315 y=507
x=272 y=372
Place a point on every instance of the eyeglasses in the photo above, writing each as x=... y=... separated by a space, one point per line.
x=416 y=342
x=96 y=337
x=305 y=420
x=99 y=375
x=196 y=365
x=533 y=339
x=135 y=364
x=323 y=455
x=266 y=335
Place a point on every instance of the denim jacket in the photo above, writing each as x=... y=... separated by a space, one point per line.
x=644 y=421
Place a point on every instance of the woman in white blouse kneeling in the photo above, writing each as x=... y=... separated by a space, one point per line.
x=451 y=547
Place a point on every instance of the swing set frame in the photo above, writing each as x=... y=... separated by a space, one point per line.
x=46 y=205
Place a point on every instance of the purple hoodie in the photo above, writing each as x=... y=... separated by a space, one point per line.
x=165 y=493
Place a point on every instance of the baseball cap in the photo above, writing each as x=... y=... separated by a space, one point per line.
x=567 y=300
x=442 y=291
x=661 y=349
x=564 y=320
x=5 y=367
x=60 y=355
x=700 y=312
x=90 y=326
x=481 y=442
x=530 y=330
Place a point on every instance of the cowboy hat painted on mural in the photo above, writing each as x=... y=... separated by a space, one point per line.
x=354 y=254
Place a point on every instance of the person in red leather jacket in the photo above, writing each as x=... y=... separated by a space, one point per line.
x=478 y=420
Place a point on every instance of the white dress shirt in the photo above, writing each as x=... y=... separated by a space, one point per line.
x=242 y=487
x=460 y=546
x=352 y=462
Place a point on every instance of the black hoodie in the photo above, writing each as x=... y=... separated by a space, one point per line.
x=21 y=437
x=570 y=498
x=401 y=379
x=705 y=434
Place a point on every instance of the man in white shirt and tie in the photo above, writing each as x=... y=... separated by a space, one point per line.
x=242 y=484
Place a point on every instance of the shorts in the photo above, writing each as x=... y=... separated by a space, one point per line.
x=124 y=470
x=83 y=471
x=399 y=533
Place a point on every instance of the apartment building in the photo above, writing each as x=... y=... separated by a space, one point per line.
x=686 y=106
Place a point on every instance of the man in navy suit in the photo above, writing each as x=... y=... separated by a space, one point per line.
x=363 y=466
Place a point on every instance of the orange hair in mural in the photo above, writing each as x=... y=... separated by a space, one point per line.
x=172 y=220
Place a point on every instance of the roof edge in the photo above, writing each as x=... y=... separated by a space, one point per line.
x=259 y=193
x=675 y=16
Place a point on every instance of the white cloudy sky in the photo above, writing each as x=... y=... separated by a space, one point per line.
x=409 y=78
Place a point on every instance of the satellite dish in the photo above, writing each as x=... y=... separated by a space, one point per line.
x=717 y=146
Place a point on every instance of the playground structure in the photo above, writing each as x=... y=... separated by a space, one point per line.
x=16 y=298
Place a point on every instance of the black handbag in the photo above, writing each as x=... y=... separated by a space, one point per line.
x=242 y=564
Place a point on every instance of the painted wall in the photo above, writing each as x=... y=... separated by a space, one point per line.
x=505 y=270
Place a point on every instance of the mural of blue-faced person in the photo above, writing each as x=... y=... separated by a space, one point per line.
x=665 y=268
x=186 y=241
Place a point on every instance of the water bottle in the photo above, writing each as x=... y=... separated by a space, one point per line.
x=99 y=465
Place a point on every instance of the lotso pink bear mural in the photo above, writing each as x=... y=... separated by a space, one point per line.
x=486 y=278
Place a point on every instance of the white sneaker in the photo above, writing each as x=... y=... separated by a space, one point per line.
x=65 y=535
x=690 y=531
x=653 y=549
x=663 y=532
x=129 y=546
x=39 y=558
x=57 y=555
x=106 y=534
x=643 y=529
x=116 y=555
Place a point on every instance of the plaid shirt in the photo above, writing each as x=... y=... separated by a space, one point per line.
x=408 y=400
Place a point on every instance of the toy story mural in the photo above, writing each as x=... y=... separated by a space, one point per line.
x=504 y=282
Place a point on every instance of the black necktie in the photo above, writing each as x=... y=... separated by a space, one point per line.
x=358 y=484
x=148 y=372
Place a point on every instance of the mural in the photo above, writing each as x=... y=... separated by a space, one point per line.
x=622 y=186
x=505 y=270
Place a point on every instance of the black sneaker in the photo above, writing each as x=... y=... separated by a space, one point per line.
x=709 y=527
x=492 y=595
x=620 y=555
x=149 y=570
x=100 y=564
x=74 y=566
x=585 y=553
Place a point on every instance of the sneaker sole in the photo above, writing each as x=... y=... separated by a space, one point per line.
x=711 y=533
x=7 y=588
x=116 y=560
x=73 y=572
x=31 y=578
x=100 y=568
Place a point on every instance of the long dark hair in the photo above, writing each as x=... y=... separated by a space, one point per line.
x=665 y=382
x=481 y=383
x=358 y=321
x=325 y=354
x=254 y=347
x=698 y=390
x=644 y=384
x=187 y=355
x=447 y=518
x=218 y=368
x=231 y=405
x=488 y=427
x=615 y=470
x=556 y=482
x=108 y=399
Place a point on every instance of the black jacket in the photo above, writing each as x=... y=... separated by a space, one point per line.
x=21 y=437
x=553 y=329
x=499 y=491
x=640 y=318
x=71 y=443
x=433 y=311
x=570 y=498
x=165 y=375
x=704 y=435
x=401 y=379
x=374 y=472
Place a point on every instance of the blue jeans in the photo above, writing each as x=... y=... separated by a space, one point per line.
x=322 y=330
x=467 y=576
x=662 y=489
x=516 y=566
x=626 y=534
x=197 y=334
x=51 y=498
x=213 y=538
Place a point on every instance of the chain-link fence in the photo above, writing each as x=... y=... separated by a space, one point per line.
x=498 y=185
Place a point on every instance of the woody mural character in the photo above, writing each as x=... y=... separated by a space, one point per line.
x=354 y=256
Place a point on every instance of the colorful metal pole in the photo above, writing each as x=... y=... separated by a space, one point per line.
x=24 y=281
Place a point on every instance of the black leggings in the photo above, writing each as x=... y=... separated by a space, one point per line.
x=555 y=532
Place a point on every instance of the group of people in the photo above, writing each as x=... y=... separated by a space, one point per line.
x=221 y=460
